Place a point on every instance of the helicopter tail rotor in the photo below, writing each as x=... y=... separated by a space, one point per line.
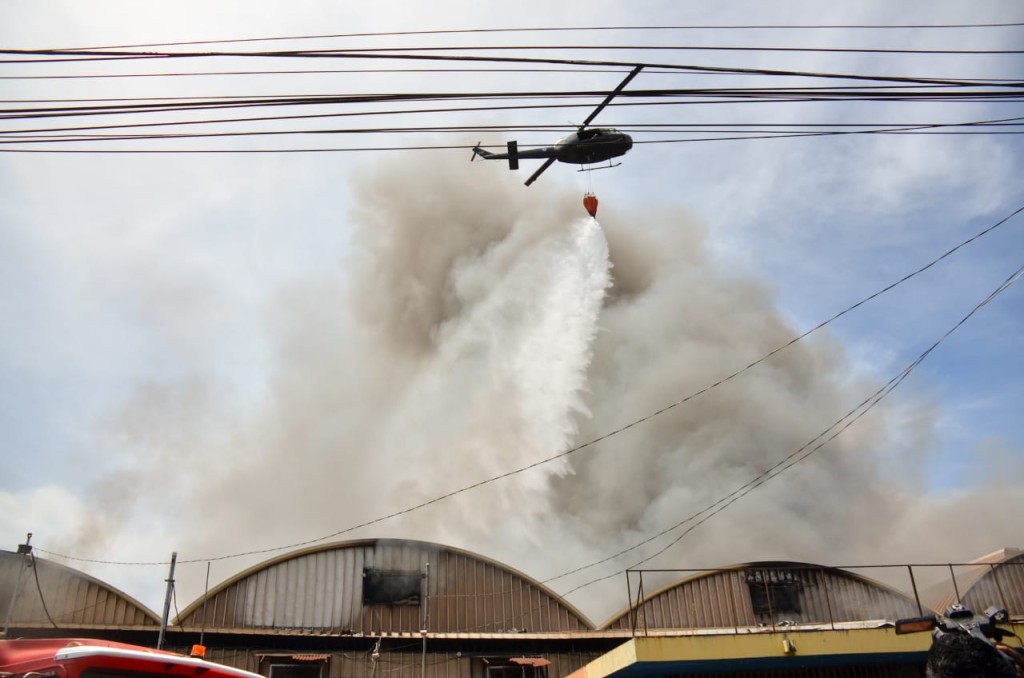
x=513 y=155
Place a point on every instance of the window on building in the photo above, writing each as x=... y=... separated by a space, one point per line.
x=510 y=667
x=391 y=587
x=297 y=670
x=774 y=592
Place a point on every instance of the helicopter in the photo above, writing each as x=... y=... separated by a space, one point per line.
x=586 y=146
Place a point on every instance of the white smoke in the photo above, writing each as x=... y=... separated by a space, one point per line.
x=504 y=376
x=472 y=331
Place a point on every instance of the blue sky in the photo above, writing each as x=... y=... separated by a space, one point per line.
x=160 y=313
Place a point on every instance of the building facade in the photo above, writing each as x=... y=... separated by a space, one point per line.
x=384 y=608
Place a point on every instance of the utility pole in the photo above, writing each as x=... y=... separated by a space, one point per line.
x=426 y=620
x=167 y=602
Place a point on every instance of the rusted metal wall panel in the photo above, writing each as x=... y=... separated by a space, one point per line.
x=72 y=598
x=321 y=590
x=787 y=593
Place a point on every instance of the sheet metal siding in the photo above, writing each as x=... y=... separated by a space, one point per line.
x=723 y=600
x=71 y=597
x=1002 y=585
x=322 y=591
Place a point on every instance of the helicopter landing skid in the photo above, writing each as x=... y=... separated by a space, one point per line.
x=608 y=166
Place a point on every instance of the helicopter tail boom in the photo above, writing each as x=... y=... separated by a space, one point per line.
x=512 y=156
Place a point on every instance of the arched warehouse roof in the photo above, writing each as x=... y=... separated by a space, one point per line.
x=376 y=587
x=766 y=593
x=997 y=579
x=63 y=597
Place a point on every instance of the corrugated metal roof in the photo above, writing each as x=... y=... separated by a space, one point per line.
x=769 y=593
x=321 y=589
x=984 y=584
x=72 y=598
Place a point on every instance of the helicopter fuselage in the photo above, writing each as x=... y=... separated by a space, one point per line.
x=586 y=146
x=583 y=147
x=592 y=145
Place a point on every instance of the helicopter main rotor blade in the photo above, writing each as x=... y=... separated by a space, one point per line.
x=533 y=177
x=612 y=95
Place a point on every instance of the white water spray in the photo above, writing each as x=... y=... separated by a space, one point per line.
x=506 y=380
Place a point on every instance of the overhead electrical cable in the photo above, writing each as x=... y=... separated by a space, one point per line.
x=437 y=147
x=632 y=127
x=169 y=105
x=841 y=92
x=986 y=127
x=72 y=55
x=663 y=96
x=379 y=71
x=328 y=96
x=713 y=100
x=90 y=53
x=315 y=116
x=799 y=455
x=616 y=431
x=374 y=71
x=564 y=29
x=90 y=128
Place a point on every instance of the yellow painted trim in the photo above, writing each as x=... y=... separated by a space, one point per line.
x=754 y=645
x=762 y=645
x=609 y=663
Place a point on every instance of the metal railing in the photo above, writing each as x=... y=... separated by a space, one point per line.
x=777 y=595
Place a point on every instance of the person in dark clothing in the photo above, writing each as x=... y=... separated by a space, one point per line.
x=959 y=655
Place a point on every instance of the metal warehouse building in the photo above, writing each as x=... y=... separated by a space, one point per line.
x=39 y=597
x=410 y=609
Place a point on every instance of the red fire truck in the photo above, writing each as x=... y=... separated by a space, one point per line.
x=82 y=658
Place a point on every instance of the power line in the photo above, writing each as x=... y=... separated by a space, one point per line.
x=632 y=127
x=612 y=433
x=408 y=55
x=876 y=90
x=801 y=454
x=374 y=71
x=90 y=53
x=925 y=129
x=137 y=104
x=565 y=29
x=663 y=97
x=379 y=71
x=176 y=123
x=986 y=127
x=417 y=111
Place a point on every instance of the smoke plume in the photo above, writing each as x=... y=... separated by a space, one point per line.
x=474 y=329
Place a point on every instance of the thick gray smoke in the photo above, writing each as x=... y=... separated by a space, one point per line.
x=476 y=329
